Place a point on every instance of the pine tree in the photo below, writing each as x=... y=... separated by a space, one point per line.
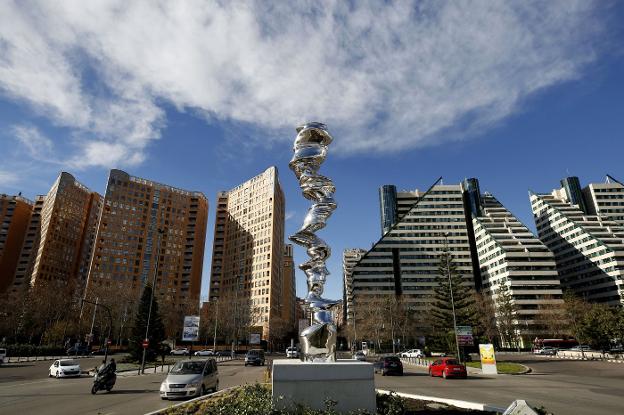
x=507 y=316
x=442 y=312
x=156 y=332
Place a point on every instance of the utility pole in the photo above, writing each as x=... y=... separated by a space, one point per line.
x=92 y=323
x=110 y=322
x=214 y=338
x=149 y=313
x=448 y=273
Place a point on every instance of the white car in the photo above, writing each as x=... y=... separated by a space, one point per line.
x=206 y=352
x=413 y=353
x=359 y=356
x=181 y=351
x=292 y=352
x=64 y=368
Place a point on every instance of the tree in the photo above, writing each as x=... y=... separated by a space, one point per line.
x=442 y=312
x=156 y=332
x=552 y=319
x=485 y=310
x=507 y=316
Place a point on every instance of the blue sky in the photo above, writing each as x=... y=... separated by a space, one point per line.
x=204 y=96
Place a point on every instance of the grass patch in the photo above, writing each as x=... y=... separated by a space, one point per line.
x=508 y=368
x=256 y=400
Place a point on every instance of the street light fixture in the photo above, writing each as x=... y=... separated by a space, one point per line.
x=110 y=321
x=149 y=313
x=448 y=273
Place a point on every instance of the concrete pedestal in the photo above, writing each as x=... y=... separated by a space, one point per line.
x=348 y=382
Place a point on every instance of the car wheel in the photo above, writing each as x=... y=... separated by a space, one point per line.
x=50 y=374
x=216 y=388
x=383 y=373
x=203 y=390
x=444 y=375
x=58 y=376
x=163 y=398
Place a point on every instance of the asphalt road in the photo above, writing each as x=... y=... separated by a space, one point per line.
x=561 y=386
x=27 y=390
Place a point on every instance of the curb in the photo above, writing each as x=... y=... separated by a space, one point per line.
x=527 y=370
x=454 y=402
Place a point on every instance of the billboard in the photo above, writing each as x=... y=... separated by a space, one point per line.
x=254 y=338
x=190 y=333
x=488 y=359
x=464 y=336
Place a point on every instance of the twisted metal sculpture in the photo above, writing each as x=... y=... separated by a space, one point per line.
x=318 y=342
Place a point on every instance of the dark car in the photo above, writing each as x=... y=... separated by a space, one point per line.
x=101 y=352
x=224 y=353
x=77 y=351
x=254 y=357
x=389 y=365
x=448 y=367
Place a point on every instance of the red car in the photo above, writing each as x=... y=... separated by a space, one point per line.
x=448 y=367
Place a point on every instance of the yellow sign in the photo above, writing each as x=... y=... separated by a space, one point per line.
x=488 y=359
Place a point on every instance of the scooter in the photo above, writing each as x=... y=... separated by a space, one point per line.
x=103 y=381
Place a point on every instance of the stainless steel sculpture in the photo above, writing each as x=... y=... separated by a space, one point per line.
x=318 y=342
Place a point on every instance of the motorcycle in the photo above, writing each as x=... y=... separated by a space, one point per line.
x=103 y=381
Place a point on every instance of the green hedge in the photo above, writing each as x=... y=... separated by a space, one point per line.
x=29 y=350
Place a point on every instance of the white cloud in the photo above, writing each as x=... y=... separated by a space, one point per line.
x=8 y=178
x=384 y=77
x=289 y=214
x=38 y=146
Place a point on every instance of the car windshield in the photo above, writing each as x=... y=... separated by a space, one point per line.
x=391 y=359
x=452 y=362
x=68 y=363
x=253 y=353
x=359 y=353
x=188 y=368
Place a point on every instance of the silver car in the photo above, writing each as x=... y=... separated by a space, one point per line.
x=190 y=378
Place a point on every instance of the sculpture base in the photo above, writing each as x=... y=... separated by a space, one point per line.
x=350 y=383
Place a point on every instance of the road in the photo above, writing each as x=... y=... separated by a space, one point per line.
x=561 y=386
x=27 y=390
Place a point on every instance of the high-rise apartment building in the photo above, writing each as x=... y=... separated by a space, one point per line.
x=489 y=247
x=404 y=262
x=62 y=245
x=29 y=248
x=510 y=255
x=148 y=227
x=247 y=261
x=584 y=228
x=290 y=288
x=350 y=257
x=15 y=212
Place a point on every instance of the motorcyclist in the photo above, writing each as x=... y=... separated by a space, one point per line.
x=108 y=369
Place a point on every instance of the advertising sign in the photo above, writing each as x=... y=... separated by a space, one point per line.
x=254 y=338
x=191 y=329
x=488 y=359
x=464 y=336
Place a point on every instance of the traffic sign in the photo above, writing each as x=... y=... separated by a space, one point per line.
x=145 y=343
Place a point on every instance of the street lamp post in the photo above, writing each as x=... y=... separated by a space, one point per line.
x=214 y=338
x=448 y=273
x=149 y=312
x=110 y=321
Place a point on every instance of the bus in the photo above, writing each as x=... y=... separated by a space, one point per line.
x=560 y=344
